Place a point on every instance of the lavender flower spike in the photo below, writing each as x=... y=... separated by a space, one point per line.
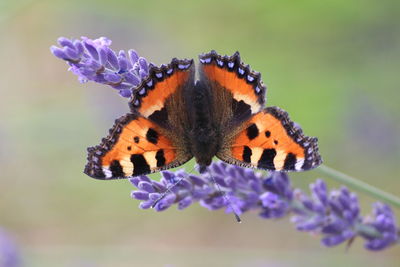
x=335 y=215
x=384 y=222
x=93 y=60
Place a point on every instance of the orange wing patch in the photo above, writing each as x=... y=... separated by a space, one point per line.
x=134 y=146
x=149 y=98
x=231 y=74
x=271 y=141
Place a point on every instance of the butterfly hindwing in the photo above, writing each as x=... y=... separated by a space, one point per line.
x=270 y=140
x=134 y=146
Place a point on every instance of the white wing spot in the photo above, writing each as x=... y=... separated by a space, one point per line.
x=107 y=171
x=299 y=164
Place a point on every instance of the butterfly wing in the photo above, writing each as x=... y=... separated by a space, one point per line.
x=270 y=140
x=152 y=137
x=161 y=96
x=134 y=146
x=237 y=91
x=253 y=136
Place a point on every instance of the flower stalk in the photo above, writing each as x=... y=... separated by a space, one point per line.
x=360 y=185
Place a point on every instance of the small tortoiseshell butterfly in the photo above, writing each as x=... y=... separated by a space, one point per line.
x=175 y=117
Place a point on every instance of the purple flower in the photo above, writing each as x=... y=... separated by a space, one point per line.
x=8 y=251
x=384 y=223
x=187 y=191
x=334 y=215
x=93 y=60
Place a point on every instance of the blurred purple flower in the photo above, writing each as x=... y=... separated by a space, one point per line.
x=384 y=222
x=335 y=215
x=9 y=256
x=93 y=60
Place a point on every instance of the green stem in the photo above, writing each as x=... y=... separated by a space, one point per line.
x=361 y=186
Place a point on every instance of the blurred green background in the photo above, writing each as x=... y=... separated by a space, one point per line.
x=333 y=65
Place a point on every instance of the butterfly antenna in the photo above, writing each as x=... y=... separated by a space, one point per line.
x=225 y=197
x=168 y=190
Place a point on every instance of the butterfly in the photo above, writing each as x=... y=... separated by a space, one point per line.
x=175 y=117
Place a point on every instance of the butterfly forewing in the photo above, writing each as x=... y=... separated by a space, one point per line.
x=237 y=91
x=161 y=96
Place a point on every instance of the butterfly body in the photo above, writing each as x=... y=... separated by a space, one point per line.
x=204 y=136
x=175 y=118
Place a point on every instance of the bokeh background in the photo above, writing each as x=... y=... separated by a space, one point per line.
x=333 y=65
